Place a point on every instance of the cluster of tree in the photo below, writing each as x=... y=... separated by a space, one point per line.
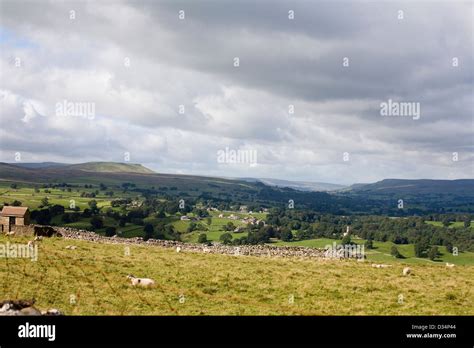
x=89 y=194
x=193 y=226
x=160 y=231
x=308 y=224
x=15 y=203
x=120 y=202
x=44 y=216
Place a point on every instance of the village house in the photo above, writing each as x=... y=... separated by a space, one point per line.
x=233 y=217
x=348 y=230
x=14 y=216
x=249 y=220
x=16 y=221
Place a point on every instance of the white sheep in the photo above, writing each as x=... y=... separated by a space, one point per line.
x=178 y=249
x=71 y=247
x=376 y=265
x=449 y=265
x=143 y=282
x=406 y=271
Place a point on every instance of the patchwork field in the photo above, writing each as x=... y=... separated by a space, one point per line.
x=91 y=280
x=29 y=198
x=457 y=224
x=381 y=252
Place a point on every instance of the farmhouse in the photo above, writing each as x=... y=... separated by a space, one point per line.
x=14 y=216
x=16 y=221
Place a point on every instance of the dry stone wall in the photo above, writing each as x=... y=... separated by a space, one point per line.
x=253 y=250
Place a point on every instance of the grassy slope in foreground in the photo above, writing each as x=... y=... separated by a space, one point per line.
x=233 y=285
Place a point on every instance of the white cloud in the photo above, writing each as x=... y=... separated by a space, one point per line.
x=189 y=63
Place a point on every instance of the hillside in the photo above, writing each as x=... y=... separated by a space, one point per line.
x=97 y=167
x=421 y=196
x=110 y=167
x=115 y=174
x=422 y=186
x=38 y=164
x=94 y=275
x=299 y=185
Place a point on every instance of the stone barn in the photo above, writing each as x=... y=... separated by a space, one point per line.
x=16 y=221
x=14 y=216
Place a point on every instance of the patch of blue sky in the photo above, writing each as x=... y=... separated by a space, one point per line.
x=12 y=39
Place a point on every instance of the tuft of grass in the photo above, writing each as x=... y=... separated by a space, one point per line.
x=450 y=296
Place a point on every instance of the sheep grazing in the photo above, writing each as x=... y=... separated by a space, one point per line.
x=71 y=247
x=449 y=265
x=143 y=282
x=406 y=271
x=376 y=265
x=178 y=249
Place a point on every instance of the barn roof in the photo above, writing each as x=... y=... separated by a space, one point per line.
x=14 y=211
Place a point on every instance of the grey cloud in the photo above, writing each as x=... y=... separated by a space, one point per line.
x=283 y=62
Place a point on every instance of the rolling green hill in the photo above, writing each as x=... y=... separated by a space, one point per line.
x=420 y=196
x=422 y=186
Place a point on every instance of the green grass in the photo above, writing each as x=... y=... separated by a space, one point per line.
x=32 y=199
x=213 y=231
x=381 y=252
x=226 y=285
x=213 y=236
x=131 y=230
x=309 y=243
x=455 y=224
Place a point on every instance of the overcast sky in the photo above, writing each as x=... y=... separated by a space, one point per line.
x=136 y=62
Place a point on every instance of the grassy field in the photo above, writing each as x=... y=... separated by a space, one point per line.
x=206 y=284
x=32 y=199
x=455 y=224
x=381 y=252
x=214 y=230
x=27 y=195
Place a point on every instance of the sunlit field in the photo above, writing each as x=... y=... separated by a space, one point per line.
x=91 y=280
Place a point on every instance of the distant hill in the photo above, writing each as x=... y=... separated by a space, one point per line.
x=420 y=196
x=421 y=186
x=299 y=185
x=110 y=167
x=97 y=167
x=39 y=164
x=111 y=173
